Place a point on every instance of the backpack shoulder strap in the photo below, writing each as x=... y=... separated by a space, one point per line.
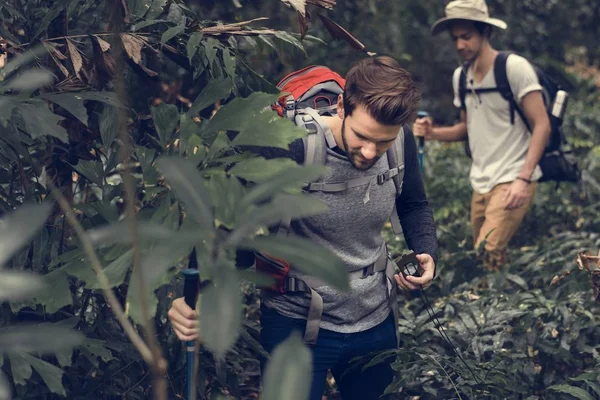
x=395 y=156
x=462 y=87
x=504 y=87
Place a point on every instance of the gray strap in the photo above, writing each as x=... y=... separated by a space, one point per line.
x=396 y=160
x=315 y=312
x=290 y=107
x=322 y=125
x=378 y=266
x=333 y=187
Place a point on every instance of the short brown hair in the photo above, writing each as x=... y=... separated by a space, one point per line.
x=384 y=88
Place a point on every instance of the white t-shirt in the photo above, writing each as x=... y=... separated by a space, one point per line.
x=498 y=148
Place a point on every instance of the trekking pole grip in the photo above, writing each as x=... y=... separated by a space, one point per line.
x=190 y=286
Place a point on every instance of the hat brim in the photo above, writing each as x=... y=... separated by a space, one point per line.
x=442 y=24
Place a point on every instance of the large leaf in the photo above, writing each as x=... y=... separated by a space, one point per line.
x=17 y=285
x=22 y=59
x=228 y=193
x=283 y=206
x=5 y=393
x=94 y=349
x=156 y=262
x=166 y=117
x=574 y=391
x=171 y=33
x=51 y=375
x=108 y=125
x=31 y=80
x=289 y=372
x=295 y=177
x=261 y=170
x=72 y=102
x=306 y=256
x=116 y=271
x=221 y=312
x=39 y=121
x=110 y=98
x=215 y=90
x=19 y=227
x=192 y=44
x=188 y=185
x=256 y=123
x=55 y=295
x=43 y=338
x=92 y=170
x=119 y=233
x=56 y=8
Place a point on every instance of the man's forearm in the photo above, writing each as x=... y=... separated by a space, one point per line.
x=453 y=133
x=539 y=139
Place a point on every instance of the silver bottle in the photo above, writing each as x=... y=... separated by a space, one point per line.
x=560 y=104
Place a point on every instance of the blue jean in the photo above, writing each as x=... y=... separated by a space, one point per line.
x=334 y=351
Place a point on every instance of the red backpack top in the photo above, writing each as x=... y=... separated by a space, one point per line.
x=315 y=87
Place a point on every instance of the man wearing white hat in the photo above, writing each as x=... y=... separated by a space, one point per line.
x=505 y=154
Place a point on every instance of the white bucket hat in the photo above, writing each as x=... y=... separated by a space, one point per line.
x=470 y=10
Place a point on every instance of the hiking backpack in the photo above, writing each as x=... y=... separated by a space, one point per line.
x=309 y=94
x=557 y=162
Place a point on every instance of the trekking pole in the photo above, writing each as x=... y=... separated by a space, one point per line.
x=421 y=114
x=190 y=293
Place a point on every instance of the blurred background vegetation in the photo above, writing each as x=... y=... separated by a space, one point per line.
x=530 y=331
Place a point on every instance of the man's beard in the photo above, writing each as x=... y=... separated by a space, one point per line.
x=353 y=155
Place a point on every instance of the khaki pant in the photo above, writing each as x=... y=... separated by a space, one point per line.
x=489 y=217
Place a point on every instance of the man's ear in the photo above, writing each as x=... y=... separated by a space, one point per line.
x=340 y=106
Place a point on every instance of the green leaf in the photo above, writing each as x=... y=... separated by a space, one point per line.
x=109 y=98
x=289 y=372
x=53 y=12
x=295 y=177
x=119 y=233
x=145 y=24
x=221 y=312
x=156 y=9
x=56 y=294
x=92 y=170
x=94 y=348
x=166 y=117
x=256 y=123
x=20 y=368
x=51 y=375
x=215 y=90
x=188 y=185
x=22 y=59
x=282 y=206
x=17 y=285
x=306 y=256
x=260 y=170
x=229 y=61
x=211 y=47
x=287 y=38
x=574 y=391
x=39 y=121
x=18 y=228
x=193 y=43
x=227 y=192
x=116 y=271
x=171 y=33
x=43 y=338
x=108 y=125
x=518 y=281
x=72 y=103
x=5 y=392
x=31 y=79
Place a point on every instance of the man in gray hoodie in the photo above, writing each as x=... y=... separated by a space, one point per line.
x=379 y=99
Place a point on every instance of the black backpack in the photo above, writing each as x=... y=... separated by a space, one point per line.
x=557 y=163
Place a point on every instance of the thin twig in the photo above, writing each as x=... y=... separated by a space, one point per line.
x=88 y=248
x=158 y=367
x=448 y=376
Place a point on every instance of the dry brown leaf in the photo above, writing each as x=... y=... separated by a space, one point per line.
x=339 y=33
x=75 y=58
x=53 y=50
x=104 y=45
x=554 y=333
x=298 y=5
x=537 y=368
x=133 y=46
x=148 y=71
x=473 y=296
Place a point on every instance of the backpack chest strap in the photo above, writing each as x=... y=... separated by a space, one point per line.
x=334 y=187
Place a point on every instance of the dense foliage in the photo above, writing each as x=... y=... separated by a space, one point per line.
x=125 y=109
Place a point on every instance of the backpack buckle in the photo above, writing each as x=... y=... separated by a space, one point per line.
x=383 y=177
x=290 y=104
